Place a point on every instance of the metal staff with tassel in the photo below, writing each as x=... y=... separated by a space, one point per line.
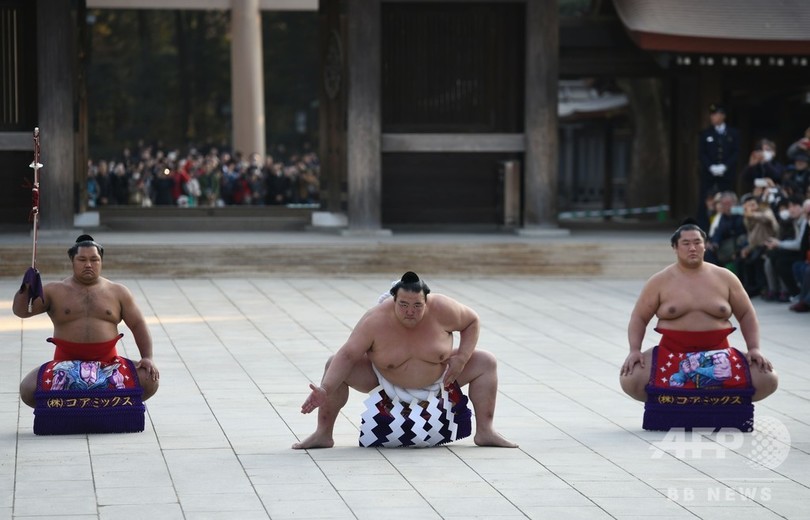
x=32 y=277
x=36 y=165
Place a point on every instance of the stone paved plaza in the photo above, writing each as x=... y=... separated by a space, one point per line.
x=236 y=355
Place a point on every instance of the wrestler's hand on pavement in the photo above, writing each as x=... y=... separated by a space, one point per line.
x=149 y=365
x=630 y=362
x=316 y=398
x=756 y=358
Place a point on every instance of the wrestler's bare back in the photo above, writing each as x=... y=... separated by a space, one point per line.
x=411 y=357
x=85 y=313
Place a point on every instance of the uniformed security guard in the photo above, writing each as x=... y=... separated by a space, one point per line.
x=718 y=151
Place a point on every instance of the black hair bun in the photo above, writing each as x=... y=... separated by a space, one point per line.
x=410 y=277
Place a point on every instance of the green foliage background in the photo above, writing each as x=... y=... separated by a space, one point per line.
x=165 y=76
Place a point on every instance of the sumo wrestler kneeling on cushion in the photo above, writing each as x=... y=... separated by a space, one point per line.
x=85 y=310
x=693 y=377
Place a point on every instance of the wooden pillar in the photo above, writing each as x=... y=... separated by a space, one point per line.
x=542 y=64
x=363 y=118
x=688 y=119
x=56 y=58
x=332 y=99
x=82 y=145
x=247 y=78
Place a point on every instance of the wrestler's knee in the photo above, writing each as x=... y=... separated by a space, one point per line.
x=150 y=386
x=482 y=366
x=28 y=387
x=486 y=361
x=764 y=383
x=27 y=397
x=634 y=385
x=150 y=389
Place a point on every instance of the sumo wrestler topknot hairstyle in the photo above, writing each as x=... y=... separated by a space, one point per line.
x=410 y=282
x=85 y=241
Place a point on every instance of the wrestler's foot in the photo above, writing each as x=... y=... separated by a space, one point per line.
x=316 y=440
x=492 y=439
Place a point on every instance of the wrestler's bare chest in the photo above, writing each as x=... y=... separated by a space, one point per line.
x=94 y=303
x=702 y=297
x=429 y=344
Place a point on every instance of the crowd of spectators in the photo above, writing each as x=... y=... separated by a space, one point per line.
x=152 y=176
x=763 y=237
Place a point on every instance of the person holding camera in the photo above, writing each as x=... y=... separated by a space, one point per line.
x=762 y=165
x=760 y=225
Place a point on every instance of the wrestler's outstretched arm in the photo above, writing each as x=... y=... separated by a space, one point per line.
x=317 y=397
x=341 y=364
